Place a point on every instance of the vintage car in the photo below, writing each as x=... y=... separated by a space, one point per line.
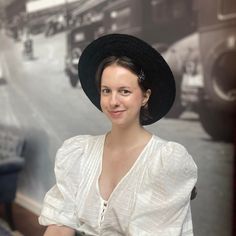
x=205 y=61
x=77 y=39
x=217 y=43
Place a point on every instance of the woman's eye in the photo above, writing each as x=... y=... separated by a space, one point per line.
x=125 y=92
x=105 y=91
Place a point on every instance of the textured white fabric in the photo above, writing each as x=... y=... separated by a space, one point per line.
x=153 y=198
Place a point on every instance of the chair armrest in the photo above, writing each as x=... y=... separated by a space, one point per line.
x=11 y=164
x=193 y=193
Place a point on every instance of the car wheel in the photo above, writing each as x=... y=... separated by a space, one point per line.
x=219 y=125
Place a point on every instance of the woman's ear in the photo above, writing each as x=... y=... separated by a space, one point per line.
x=146 y=96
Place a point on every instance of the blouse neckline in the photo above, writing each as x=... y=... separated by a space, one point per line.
x=126 y=175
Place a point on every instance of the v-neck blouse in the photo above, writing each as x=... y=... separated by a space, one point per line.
x=153 y=198
x=127 y=174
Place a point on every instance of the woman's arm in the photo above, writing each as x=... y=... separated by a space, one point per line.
x=55 y=230
x=165 y=208
x=59 y=205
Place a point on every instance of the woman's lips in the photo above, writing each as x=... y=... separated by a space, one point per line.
x=116 y=113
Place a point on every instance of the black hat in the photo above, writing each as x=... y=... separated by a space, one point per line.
x=155 y=68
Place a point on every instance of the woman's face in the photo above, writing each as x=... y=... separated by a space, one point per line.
x=121 y=96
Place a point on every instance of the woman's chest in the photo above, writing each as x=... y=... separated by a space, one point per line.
x=121 y=198
x=116 y=166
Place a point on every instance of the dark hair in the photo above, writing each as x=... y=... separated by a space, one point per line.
x=129 y=64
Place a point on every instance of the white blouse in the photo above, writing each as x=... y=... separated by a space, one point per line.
x=153 y=198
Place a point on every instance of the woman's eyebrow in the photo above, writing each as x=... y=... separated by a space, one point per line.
x=124 y=87
x=121 y=87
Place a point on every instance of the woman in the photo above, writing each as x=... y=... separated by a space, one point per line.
x=128 y=181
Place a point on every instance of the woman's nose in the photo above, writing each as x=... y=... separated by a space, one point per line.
x=114 y=101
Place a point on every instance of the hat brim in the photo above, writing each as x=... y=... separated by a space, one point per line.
x=153 y=64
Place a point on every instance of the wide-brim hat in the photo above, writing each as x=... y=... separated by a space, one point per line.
x=155 y=68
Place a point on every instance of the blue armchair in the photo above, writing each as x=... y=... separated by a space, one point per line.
x=11 y=162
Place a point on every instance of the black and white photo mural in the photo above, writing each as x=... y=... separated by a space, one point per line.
x=40 y=94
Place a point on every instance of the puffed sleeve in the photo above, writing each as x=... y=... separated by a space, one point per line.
x=59 y=202
x=165 y=204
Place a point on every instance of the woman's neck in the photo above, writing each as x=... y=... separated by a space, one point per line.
x=127 y=137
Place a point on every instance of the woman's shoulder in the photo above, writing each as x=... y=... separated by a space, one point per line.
x=169 y=149
x=79 y=141
x=172 y=157
x=73 y=149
